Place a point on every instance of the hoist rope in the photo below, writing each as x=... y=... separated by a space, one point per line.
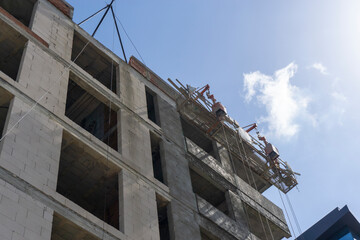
x=253 y=178
x=287 y=214
x=294 y=215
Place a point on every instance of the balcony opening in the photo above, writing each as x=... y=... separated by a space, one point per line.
x=5 y=99
x=152 y=108
x=91 y=114
x=22 y=10
x=206 y=235
x=209 y=192
x=89 y=180
x=95 y=62
x=64 y=229
x=162 y=206
x=12 y=46
x=200 y=139
x=156 y=157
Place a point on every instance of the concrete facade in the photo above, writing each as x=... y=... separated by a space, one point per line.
x=90 y=174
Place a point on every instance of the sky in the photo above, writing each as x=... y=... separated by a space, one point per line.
x=291 y=66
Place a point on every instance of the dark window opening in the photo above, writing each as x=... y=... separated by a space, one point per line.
x=151 y=107
x=156 y=158
x=21 y=9
x=91 y=114
x=5 y=99
x=64 y=229
x=163 y=218
x=94 y=61
x=200 y=139
x=209 y=192
x=89 y=180
x=12 y=45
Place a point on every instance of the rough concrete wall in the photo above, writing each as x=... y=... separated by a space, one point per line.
x=32 y=150
x=54 y=28
x=132 y=90
x=135 y=141
x=178 y=177
x=40 y=73
x=22 y=217
x=135 y=136
x=138 y=207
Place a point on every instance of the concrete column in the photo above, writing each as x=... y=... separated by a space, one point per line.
x=135 y=136
x=135 y=141
x=132 y=90
x=181 y=220
x=138 y=212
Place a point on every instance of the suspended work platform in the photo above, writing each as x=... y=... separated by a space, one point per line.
x=198 y=111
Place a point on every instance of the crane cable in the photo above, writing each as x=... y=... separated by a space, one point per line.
x=132 y=43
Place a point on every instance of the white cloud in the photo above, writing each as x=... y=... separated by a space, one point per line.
x=320 y=67
x=283 y=102
x=338 y=96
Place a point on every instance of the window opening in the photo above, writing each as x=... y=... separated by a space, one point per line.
x=85 y=177
x=162 y=210
x=151 y=107
x=91 y=114
x=94 y=61
x=21 y=9
x=156 y=157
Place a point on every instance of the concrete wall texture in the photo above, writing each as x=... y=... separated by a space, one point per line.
x=31 y=208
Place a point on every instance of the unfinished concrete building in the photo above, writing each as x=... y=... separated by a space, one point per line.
x=104 y=149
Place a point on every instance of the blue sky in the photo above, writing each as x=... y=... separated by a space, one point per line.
x=292 y=66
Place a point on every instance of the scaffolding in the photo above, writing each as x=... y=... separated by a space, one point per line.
x=196 y=109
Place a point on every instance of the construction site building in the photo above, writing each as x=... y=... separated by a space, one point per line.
x=105 y=149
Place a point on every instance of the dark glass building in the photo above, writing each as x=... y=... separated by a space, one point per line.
x=339 y=224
